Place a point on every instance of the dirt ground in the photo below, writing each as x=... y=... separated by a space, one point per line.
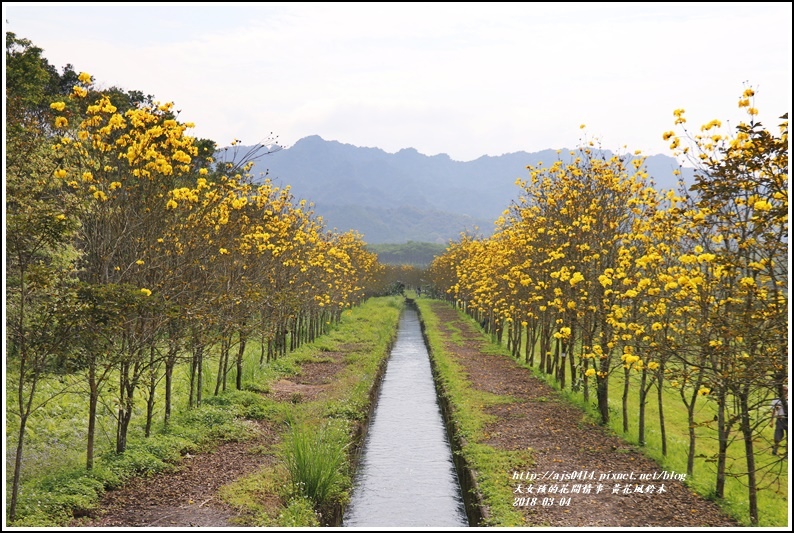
x=562 y=441
x=565 y=443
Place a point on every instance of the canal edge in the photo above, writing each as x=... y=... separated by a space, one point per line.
x=362 y=426
x=476 y=510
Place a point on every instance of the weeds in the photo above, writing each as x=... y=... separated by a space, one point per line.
x=314 y=458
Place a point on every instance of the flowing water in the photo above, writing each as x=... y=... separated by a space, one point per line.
x=406 y=476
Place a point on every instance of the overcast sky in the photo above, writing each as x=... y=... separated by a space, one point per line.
x=465 y=79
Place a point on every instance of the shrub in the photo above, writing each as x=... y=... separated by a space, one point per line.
x=314 y=458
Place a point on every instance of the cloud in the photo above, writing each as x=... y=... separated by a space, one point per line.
x=463 y=79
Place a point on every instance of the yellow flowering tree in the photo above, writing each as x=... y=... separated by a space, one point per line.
x=739 y=207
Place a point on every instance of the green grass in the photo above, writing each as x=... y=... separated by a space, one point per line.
x=773 y=483
x=315 y=457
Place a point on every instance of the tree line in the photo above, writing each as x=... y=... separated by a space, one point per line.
x=131 y=249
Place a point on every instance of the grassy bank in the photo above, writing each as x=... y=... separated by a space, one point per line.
x=57 y=487
x=467 y=410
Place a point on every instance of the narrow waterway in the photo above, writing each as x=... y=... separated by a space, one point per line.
x=406 y=476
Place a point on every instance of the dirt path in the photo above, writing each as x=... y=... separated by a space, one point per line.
x=186 y=498
x=563 y=442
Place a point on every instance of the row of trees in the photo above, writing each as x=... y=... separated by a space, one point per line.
x=597 y=272
x=131 y=250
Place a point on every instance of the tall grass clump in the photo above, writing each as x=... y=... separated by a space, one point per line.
x=315 y=457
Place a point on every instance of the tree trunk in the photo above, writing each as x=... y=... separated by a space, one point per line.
x=127 y=386
x=690 y=410
x=23 y=421
x=240 y=353
x=561 y=372
x=169 y=382
x=662 y=428
x=221 y=371
x=626 y=377
x=192 y=380
x=151 y=392
x=643 y=394
x=93 y=400
x=585 y=381
x=602 y=393
x=722 y=453
x=199 y=375
x=747 y=434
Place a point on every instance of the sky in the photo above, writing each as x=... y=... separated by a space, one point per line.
x=463 y=79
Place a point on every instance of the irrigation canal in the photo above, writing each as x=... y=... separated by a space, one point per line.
x=406 y=476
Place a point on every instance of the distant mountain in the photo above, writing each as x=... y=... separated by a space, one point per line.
x=408 y=196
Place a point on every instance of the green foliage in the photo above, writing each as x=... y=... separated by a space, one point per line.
x=347 y=409
x=285 y=366
x=298 y=513
x=28 y=74
x=59 y=497
x=249 y=405
x=315 y=459
x=136 y=461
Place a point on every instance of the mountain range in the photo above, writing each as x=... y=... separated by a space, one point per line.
x=407 y=196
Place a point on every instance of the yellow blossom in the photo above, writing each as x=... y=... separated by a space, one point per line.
x=61 y=122
x=590 y=372
x=146 y=292
x=58 y=106
x=762 y=205
x=84 y=77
